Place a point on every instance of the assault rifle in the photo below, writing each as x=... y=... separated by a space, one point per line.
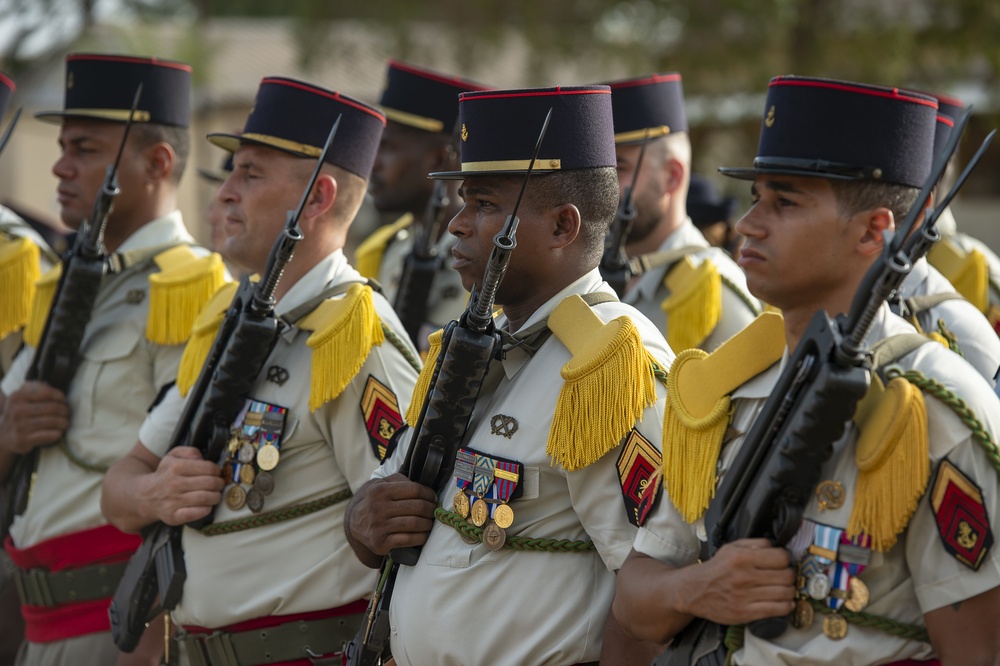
x=241 y=347
x=58 y=354
x=421 y=264
x=775 y=473
x=615 y=267
x=467 y=347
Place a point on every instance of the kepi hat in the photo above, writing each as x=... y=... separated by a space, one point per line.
x=422 y=98
x=648 y=107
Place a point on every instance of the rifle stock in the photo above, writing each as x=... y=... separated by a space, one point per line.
x=239 y=351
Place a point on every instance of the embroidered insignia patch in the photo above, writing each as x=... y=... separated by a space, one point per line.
x=277 y=375
x=135 y=296
x=964 y=526
x=501 y=424
x=381 y=413
x=639 y=471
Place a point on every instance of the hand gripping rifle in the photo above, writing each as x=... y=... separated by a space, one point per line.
x=420 y=265
x=467 y=347
x=241 y=347
x=615 y=267
x=777 y=469
x=58 y=354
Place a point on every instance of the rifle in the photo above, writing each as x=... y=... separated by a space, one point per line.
x=777 y=469
x=421 y=264
x=239 y=351
x=615 y=266
x=467 y=347
x=58 y=354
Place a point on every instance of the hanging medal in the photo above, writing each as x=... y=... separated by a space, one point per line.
x=253 y=451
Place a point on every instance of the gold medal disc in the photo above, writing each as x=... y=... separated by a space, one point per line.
x=461 y=504
x=236 y=497
x=494 y=536
x=803 y=615
x=858 y=597
x=267 y=457
x=247 y=474
x=834 y=626
x=504 y=516
x=480 y=513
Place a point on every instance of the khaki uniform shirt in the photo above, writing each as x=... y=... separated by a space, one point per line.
x=303 y=564
x=120 y=374
x=649 y=292
x=915 y=576
x=465 y=604
x=976 y=338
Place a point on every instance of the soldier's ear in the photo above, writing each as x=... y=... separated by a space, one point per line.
x=566 y=224
x=874 y=222
x=160 y=159
x=322 y=198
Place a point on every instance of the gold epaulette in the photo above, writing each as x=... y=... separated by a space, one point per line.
x=45 y=293
x=179 y=291
x=607 y=384
x=368 y=255
x=423 y=384
x=892 y=458
x=344 y=332
x=694 y=305
x=19 y=271
x=206 y=325
x=698 y=408
x=968 y=272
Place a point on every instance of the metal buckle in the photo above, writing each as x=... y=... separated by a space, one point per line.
x=33 y=588
x=220 y=650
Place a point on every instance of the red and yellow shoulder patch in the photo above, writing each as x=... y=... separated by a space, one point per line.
x=639 y=471
x=964 y=526
x=381 y=412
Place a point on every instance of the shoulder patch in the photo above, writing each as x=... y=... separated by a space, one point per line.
x=380 y=410
x=694 y=305
x=962 y=520
x=368 y=255
x=639 y=472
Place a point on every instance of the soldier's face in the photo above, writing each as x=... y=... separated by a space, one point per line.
x=264 y=185
x=87 y=148
x=399 y=180
x=648 y=189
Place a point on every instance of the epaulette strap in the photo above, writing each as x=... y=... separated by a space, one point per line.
x=423 y=384
x=596 y=407
x=368 y=255
x=203 y=332
x=19 y=271
x=968 y=271
x=345 y=331
x=179 y=291
x=694 y=305
x=648 y=262
x=698 y=408
x=45 y=293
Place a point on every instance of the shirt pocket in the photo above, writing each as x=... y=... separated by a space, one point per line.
x=114 y=384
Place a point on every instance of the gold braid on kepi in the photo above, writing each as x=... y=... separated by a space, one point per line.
x=892 y=458
x=698 y=408
x=344 y=332
x=203 y=332
x=423 y=384
x=179 y=291
x=45 y=293
x=968 y=272
x=607 y=384
x=694 y=305
x=19 y=271
x=368 y=255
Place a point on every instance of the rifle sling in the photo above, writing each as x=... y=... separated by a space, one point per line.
x=294 y=315
x=887 y=351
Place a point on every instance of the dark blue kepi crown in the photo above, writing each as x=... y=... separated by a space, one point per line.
x=422 y=98
x=7 y=89
x=296 y=117
x=500 y=129
x=949 y=109
x=648 y=107
x=102 y=87
x=845 y=131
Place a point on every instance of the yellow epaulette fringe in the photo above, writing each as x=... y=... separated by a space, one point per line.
x=893 y=461
x=368 y=255
x=423 y=384
x=19 y=271
x=608 y=383
x=179 y=291
x=698 y=408
x=203 y=332
x=694 y=305
x=45 y=293
x=968 y=272
x=344 y=332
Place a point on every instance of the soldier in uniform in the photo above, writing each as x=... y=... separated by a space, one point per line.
x=421 y=107
x=893 y=562
x=533 y=514
x=68 y=557
x=318 y=420
x=695 y=292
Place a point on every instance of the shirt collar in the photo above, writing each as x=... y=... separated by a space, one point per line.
x=330 y=271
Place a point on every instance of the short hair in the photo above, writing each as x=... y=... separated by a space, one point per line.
x=147 y=135
x=593 y=191
x=854 y=196
x=351 y=189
